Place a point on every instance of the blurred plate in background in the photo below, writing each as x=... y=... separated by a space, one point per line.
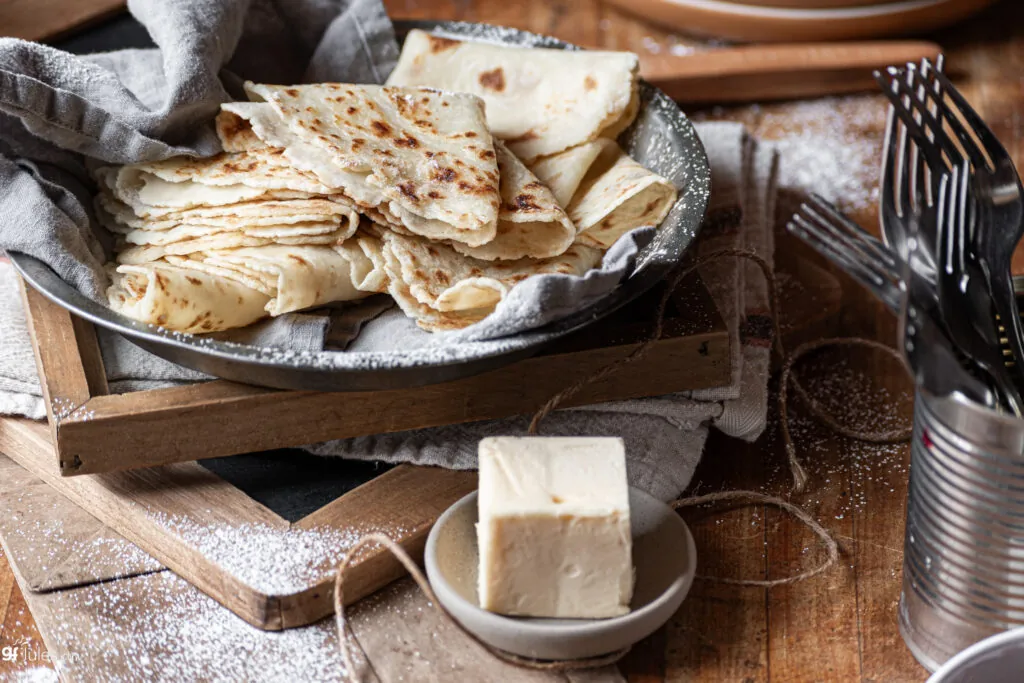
x=733 y=20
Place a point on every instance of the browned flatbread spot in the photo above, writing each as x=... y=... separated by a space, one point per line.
x=589 y=83
x=438 y=44
x=381 y=128
x=408 y=142
x=409 y=190
x=298 y=259
x=193 y=280
x=524 y=202
x=445 y=175
x=494 y=79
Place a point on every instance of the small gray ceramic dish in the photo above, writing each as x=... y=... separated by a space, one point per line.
x=997 y=659
x=663 y=554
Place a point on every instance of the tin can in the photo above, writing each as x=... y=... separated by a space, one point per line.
x=963 y=562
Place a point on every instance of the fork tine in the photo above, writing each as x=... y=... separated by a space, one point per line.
x=969 y=144
x=918 y=109
x=883 y=287
x=926 y=69
x=890 y=158
x=977 y=124
x=916 y=165
x=894 y=89
x=867 y=243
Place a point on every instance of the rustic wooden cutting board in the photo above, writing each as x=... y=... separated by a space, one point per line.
x=44 y=20
x=115 y=586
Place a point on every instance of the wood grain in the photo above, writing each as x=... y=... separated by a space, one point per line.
x=721 y=640
x=80 y=549
x=758 y=73
x=96 y=432
x=165 y=510
x=52 y=19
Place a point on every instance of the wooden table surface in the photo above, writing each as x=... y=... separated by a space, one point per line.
x=841 y=625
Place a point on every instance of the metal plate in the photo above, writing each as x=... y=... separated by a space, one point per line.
x=662 y=139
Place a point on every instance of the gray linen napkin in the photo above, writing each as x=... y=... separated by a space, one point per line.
x=60 y=113
x=664 y=435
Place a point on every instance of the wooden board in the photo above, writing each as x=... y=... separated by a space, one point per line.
x=170 y=511
x=52 y=19
x=400 y=632
x=99 y=432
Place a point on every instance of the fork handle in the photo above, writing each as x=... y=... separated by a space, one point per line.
x=774 y=72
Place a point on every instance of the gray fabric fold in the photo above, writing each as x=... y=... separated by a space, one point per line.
x=60 y=110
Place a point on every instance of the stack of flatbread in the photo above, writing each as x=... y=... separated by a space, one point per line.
x=474 y=168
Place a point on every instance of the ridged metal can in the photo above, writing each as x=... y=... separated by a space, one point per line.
x=963 y=563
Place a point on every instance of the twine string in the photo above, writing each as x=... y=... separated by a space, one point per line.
x=753 y=497
x=645 y=347
x=344 y=629
x=898 y=435
x=737 y=496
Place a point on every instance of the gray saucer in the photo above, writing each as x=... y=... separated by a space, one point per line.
x=663 y=554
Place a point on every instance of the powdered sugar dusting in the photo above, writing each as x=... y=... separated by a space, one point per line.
x=59 y=546
x=37 y=674
x=269 y=559
x=830 y=146
x=165 y=630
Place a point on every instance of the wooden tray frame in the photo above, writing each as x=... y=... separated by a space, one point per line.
x=95 y=431
x=404 y=502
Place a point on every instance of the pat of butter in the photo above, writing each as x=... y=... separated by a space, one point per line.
x=553 y=532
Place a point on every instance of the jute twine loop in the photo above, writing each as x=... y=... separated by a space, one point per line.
x=659 y=325
x=417 y=575
x=899 y=435
x=739 y=497
x=748 y=497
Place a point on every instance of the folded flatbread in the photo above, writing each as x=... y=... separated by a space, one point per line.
x=444 y=290
x=413 y=159
x=157 y=189
x=605 y=192
x=182 y=299
x=531 y=222
x=293 y=278
x=120 y=219
x=539 y=101
x=146 y=253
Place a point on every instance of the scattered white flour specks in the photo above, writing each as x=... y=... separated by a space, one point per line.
x=158 y=628
x=826 y=150
x=37 y=674
x=272 y=560
x=830 y=146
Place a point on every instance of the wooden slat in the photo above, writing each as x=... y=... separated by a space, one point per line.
x=402 y=503
x=701 y=645
x=52 y=19
x=155 y=508
x=62 y=367
x=80 y=549
x=810 y=627
x=145 y=428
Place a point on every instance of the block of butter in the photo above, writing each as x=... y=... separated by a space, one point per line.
x=553 y=528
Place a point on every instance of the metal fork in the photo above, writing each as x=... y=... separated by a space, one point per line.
x=999 y=203
x=837 y=238
x=928 y=351
x=966 y=298
x=898 y=213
